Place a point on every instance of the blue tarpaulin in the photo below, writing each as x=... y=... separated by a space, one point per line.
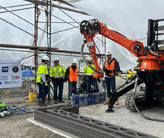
x=27 y=72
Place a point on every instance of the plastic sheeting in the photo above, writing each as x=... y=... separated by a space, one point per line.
x=66 y=40
x=127 y=17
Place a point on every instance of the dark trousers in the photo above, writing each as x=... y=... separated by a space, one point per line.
x=110 y=84
x=60 y=96
x=72 y=86
x=43 y=91
x=94 y=83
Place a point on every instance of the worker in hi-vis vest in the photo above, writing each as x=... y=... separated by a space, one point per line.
x=71 y=76
x=42 y=78
x=57 y=74
x=111 y=67
x=89 y=79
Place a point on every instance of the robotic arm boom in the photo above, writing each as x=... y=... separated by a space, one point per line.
x=90 y=28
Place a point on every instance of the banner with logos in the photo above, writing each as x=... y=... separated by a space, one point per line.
x=10 y=73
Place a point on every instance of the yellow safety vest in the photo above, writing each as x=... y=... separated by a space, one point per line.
x=42 y=69
x=57 y=71
x=88 y=70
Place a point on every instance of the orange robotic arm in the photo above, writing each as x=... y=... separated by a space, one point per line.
x=90 y=28
x=92 y=49
x=134 y=46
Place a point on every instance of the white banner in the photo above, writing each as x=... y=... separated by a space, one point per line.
x=10 y=73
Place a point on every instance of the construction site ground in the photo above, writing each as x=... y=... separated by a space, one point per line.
x=17 y=126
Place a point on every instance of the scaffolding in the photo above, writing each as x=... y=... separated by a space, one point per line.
x=48 y=4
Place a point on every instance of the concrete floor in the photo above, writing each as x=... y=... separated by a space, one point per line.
x=19 y=127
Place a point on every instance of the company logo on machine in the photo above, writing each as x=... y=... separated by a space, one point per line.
x=145 y=64
x=2 y=78
x=0 y=83
x=15 y=77
x=4 y=69
x=15 y=69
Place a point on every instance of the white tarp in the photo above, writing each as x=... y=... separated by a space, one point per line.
x=10 y=73
x=127 y=17
x=67 y=40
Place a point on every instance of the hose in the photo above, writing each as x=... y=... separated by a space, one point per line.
x=16 y=110
x=149 y=118
x=153 y=53
x=99 y=53
x=82 y=54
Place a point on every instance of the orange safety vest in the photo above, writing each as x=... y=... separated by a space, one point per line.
x=73 y=74
x=110 y=67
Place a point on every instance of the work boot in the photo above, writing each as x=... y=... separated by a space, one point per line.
x=109 y=111
x=44 y=104
x=40 y=102
x=117 y=103
x=60 y=101
x=55 y=101
x=107 y=101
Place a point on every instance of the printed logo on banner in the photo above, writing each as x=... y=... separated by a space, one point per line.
x=15 y=77
x=2 y=78
x=4 y=69
x=14 y=82
x=0 y=83
x=6 y=82
x=11 y=82
x=15 y=69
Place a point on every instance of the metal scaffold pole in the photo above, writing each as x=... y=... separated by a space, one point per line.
x=48 y=14
x=36 y=17
x=104 y=42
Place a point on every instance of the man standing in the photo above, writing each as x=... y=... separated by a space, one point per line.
x=90 y=80
x=42 y=78
x=71 y=76
x=57 y=73
x=111 y=66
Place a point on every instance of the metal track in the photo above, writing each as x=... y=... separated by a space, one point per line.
x=67 y=118
x=129 y=101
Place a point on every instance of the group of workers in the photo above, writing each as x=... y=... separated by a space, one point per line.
x=59 y=75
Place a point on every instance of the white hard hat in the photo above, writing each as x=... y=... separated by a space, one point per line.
x=45 y=58
x=74 y=61
x=88 y=58
x=56 y=58
x=108 y=52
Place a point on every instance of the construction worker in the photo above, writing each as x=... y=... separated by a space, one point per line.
x=90 y=80
x=57 y=74
x=71 y=76
x=42 y=78
x=111 y=66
